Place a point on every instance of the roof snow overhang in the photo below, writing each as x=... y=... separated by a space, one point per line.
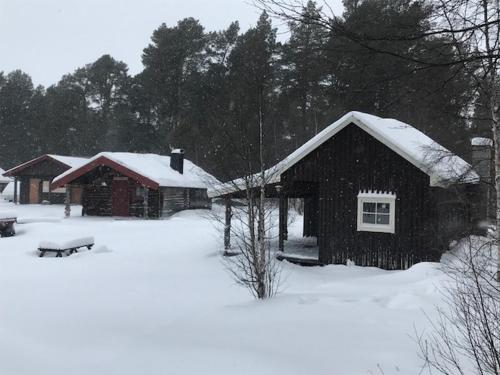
x=273 y=174
x=16 y=170
x=355 y=118
x=102 y=161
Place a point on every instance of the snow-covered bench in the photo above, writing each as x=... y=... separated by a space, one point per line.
x=7 y=220
x=68 y=247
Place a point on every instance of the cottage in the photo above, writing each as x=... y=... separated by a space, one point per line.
x=36 y=175
x=376 y=191
x=4 y=181
x=142 y=185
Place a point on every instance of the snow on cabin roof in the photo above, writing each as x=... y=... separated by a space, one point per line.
x=442 y=166
x=151 y=166
x=433 y=159
x=69 y=161
x=4 y=180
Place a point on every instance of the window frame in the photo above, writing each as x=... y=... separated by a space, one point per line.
x=372 y=197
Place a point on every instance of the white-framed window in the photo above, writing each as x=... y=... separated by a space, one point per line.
x=376 y=211
x=46 y=186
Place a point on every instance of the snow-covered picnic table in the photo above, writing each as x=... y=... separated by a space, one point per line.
x=7 y=220
x=69 y=246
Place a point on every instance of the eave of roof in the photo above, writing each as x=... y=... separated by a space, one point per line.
x=273 y=174
x=15 y=170
x=104 y=161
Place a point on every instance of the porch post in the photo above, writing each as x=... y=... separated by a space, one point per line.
x=283 y=218
x=227 y=227
x=145 y=196
x=67 y=201
x=15 y=190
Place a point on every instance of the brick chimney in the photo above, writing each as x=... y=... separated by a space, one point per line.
x=177 y=160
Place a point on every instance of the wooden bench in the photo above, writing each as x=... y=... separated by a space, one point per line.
x=7 y=226
x=68 y=247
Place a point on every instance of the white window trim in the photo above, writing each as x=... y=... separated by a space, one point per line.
x=45 y=186
x=377 y=197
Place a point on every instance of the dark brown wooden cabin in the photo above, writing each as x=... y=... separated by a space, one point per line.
x=115 y=184
x=35 y=177
x=369 y=198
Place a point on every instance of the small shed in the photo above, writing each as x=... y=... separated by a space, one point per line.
x=36 y=175
x=4 y=181
x=141 y=185
x=376 y=191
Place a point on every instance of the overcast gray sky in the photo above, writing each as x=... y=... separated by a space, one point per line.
x=49 y=38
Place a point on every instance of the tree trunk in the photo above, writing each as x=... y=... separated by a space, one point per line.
x=496 y=137
x=262 y=216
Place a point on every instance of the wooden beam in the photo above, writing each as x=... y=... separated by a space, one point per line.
x=145 y=195
x=15 y=190
x=283 y=221
x=67 y=201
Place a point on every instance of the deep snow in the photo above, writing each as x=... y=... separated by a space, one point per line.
x=153 y=297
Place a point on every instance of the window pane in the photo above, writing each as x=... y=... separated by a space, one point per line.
x=368 y=207
x=383 y=219
x=369 y=218
x=383 y=208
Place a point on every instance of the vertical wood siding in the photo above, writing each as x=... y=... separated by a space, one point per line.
x=352 y=161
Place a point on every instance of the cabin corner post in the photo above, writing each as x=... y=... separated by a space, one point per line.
x=67 y=201
x=283 y=218
x=227 y=226
x=15 y=190
x=145 y=196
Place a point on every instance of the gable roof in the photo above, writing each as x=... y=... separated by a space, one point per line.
x=65 y=161
x=441 y=165
x=150 y=170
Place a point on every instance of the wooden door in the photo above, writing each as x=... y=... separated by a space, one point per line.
x=34 y=190
x=76 y=194
x=119 y=197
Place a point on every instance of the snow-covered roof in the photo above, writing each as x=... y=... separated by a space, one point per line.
x=4 y=180
x=69 y=161
x=154 y=167
x=442 y=166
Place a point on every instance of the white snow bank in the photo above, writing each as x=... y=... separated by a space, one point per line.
x=160 y=298
x=70 y=244
x=26 y=220
x=7 y=215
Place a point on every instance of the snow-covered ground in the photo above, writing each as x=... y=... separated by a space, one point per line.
x=153 y=297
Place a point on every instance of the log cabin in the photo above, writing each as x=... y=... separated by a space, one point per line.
x=140 y=185
x=376 y=192
x=36 y=175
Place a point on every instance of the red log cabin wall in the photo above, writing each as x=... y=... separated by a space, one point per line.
x=108 y=193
